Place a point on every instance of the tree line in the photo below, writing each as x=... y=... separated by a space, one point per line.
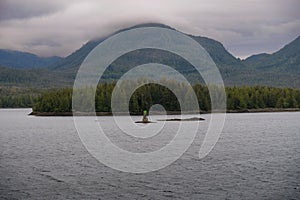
x=16 y=97
x=238 y=98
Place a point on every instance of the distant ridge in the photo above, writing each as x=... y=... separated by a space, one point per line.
x=24 y=60
x=285 y=60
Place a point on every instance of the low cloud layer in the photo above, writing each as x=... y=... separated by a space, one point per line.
x=59 y=27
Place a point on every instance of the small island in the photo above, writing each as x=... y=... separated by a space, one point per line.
x=185 y=119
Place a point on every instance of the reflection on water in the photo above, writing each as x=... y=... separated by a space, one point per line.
x=257 y=157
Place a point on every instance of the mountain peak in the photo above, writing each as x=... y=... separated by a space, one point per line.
x=150 y=24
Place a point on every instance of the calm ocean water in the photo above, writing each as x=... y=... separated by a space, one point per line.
x=257 y=157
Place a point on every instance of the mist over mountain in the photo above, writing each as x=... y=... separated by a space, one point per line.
x=280 y=69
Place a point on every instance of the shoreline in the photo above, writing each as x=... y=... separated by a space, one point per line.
x=66 y=114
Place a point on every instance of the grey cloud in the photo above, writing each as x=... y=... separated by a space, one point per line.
x=23 y=9
x=244 y=27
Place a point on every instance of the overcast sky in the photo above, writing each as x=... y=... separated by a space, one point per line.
x=59 y=27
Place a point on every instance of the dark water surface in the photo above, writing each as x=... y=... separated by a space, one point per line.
x=257 y=157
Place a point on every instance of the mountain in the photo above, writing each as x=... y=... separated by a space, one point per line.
x=23 y=60
x=226 y=62
x=280 y=69
x=286 y=60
